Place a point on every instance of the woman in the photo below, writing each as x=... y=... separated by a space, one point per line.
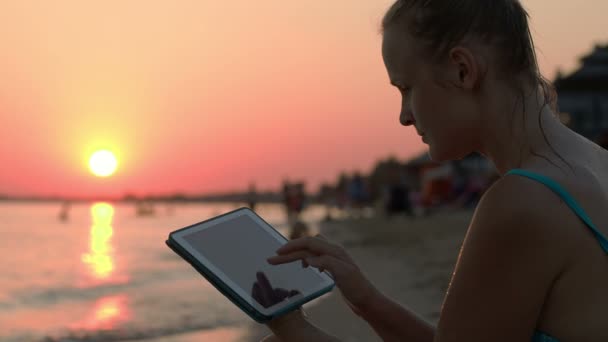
x=534 y=263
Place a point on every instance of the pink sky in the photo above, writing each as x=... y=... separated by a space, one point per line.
x=206 y=96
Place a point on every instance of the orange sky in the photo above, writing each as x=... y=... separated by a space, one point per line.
x=205 y=96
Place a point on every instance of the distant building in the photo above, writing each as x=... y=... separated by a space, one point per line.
x=583 y=95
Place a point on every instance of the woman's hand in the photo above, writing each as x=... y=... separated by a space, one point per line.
x=319 y=252
x=295 y=327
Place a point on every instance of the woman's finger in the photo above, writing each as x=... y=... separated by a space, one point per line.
x=327 y=262
x=313 y=244
x=285 y=258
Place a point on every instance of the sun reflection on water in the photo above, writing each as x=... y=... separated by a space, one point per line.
x=108 y=312
x=99 y=258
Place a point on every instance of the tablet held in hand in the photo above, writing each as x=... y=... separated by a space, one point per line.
x=231 y=252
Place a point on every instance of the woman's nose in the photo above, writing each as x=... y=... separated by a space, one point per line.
x=406 y=119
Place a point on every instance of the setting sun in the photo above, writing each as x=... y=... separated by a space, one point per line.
x=103 y=163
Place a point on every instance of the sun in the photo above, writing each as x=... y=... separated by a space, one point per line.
x=103 y=163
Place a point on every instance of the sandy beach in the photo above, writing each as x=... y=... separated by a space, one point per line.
x=410 y=260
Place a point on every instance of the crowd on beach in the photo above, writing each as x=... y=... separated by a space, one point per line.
x=389 y=192
x=402 y=195
x=394 y=188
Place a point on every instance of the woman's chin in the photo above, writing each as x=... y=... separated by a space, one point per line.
x=439 y=155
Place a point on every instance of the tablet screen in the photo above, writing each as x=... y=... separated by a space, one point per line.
x=239 y=247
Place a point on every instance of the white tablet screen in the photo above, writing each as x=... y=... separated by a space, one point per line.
x=239 y=248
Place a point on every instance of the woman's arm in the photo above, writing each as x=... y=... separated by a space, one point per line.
x=394 y=322
x=391 y=321
x=295 y=327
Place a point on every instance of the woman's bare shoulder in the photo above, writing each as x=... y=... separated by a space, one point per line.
x=534 y=211
x=506 y=265
x=513 y=194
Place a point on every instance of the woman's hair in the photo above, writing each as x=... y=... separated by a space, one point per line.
x=439 y=25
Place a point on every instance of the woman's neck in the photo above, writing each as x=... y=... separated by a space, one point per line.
x=513 y=136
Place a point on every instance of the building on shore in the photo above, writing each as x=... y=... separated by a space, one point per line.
x=583 y=95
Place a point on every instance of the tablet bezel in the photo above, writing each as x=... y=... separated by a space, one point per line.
x=178 y=237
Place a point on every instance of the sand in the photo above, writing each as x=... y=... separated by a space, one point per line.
x=408 y=259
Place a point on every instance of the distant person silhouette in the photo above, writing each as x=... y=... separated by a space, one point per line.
x=299 y=230
x=252 y=197
x=357 y=193
x=287 y=200
x=64 y=212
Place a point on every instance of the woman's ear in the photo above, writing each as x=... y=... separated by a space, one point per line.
x=465 y=67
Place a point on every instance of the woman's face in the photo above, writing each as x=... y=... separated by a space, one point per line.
x=445 y=115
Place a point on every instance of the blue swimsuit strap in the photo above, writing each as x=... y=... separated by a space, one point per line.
x=568 y=199
x=540 y=336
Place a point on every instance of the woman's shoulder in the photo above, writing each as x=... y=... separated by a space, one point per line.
x=515 y=195
x=508 y=261
x=542 y=193
x=527 y=211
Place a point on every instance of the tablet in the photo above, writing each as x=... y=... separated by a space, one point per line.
x=231 y=250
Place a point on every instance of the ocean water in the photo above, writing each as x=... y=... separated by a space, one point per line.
x=105 y=273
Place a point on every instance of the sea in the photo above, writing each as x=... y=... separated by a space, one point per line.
x=100 y=271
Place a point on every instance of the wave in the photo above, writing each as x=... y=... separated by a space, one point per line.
x=121 y=334
x=44 y=297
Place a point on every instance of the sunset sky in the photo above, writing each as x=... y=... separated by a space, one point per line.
x=203 y=96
